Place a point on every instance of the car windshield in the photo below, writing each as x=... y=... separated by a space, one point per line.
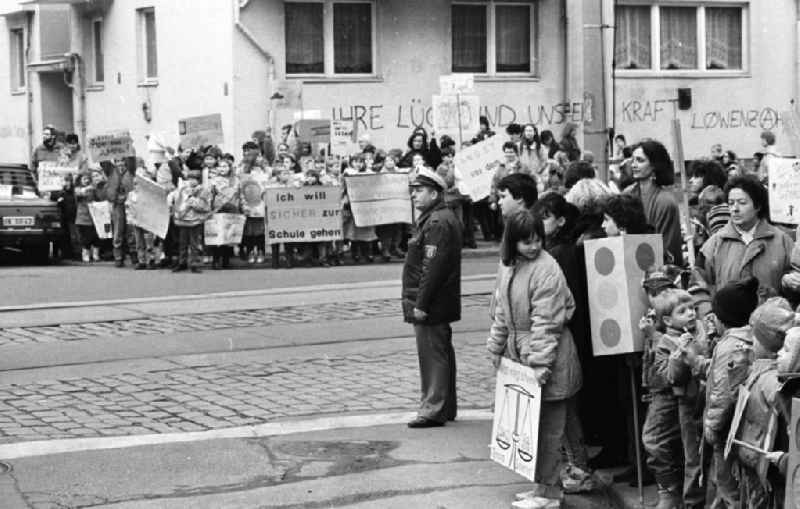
x=20 y=180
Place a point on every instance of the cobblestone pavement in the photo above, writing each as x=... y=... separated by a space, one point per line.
x=210 y=321
x=203 y=397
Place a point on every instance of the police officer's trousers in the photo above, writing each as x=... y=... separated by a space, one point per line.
x=437 y=366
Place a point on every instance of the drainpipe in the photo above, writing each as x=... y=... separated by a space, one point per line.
x=28 y=83
x=796 y=91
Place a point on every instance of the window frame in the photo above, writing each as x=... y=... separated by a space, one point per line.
x=18 y=61
x=143 y=58
x=700 y=12
x=491 y=37
x=98 y=44
x=328 y=56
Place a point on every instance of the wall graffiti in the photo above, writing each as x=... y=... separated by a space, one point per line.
x=419 y=114
x=636 y=111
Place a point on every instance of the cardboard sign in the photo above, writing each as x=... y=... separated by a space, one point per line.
x=288 y=94
x=615 y=270
x=515 y=427
x=343 y=138
x=457 y=84
x=51 y=175
x=313 y=131
x=380 y=198
x=6 y=191
x=305 y=214
x=224 y=229
x=200 y=131
x=784 y=189
x=107 y=147
x=478 y=164
x=456 y=116
x=147 y=207
x=101 y=217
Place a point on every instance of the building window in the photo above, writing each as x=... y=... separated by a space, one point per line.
x=493 y=38
x=330 y=38
x=148 y=49
x=17 y=59
x=671 y=38
x=97 y=51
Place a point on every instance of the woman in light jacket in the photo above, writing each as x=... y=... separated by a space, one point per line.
x=534 y=305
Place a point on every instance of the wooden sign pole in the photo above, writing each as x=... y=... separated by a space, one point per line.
x=679 y=160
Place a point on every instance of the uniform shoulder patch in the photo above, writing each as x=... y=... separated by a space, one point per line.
x=430 y=251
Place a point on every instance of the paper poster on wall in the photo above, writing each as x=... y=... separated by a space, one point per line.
x=201 y=131
x=147 y=207
x=51 y=175
x=224 y=229
x=478 y=164
x=457 y=116
x=515 y=427
x=101 y=217
x=784 y=190
x=381 y=198
x=615 y=269
x=107 y=147
x=343 y=138
x=306 y=214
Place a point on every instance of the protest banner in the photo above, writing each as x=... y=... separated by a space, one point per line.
x=515 y=427
x=147 y=207
x=451 y=84
x=456 y=116
x=51 y=175
x=313 y=131
x=101 y=217
x=784 y=189
x=107 y=147
x=615 y=268
x=477 y=165
x=343 y=138
x=381 y=198
x=201 y=131
x=224 y=229
x=306 y=214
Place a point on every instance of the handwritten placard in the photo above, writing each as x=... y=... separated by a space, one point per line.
x=313 y=131
x=478 y=164
x=101 y=217
x=305 y=214
x=381 y=198
x=51 y=175
x=463 y=83
x=784 y=190
x=107 y=147
x=147 y=207
x=201 y=131
x=343 y=138
x=515 y=427
x=224 y=229
x=456 y=115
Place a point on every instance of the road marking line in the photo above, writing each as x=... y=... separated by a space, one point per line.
x=71 y=445
x=238 y=293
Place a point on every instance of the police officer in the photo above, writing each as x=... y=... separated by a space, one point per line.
x=432 y=298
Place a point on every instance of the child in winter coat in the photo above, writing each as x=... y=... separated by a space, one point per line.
x=672 y=431
x=761 y=484
x=225 y=199
x=732 y=304
x=360 y=237
x=534 y=305
x=145 y=241
x=89 y=187
x=191 y=206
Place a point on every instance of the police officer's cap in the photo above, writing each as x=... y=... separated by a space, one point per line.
x=428 y=178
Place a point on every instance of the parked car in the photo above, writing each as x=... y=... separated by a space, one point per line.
x=28 y=222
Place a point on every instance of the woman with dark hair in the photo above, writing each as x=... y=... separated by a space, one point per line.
x=418 y=144
x=530 y=151
x=624 y=214
x=652 y=172
x=748 y=245
x=548 y=142
x=569 y=143
x=534 y=305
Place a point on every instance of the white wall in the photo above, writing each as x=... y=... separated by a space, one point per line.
x=13 y=119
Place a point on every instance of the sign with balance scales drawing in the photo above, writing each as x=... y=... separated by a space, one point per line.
x=515 y=429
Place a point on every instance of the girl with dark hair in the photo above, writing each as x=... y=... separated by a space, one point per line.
x=531 y=154
x=748 y=245
x=569 y=143
x=548 y=141
x=652 y=171
x=534 y=305
x=624 y=213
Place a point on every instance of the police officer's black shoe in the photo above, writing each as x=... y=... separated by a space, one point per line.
x=423 y=422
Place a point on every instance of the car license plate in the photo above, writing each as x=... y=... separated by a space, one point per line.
x=18 y=221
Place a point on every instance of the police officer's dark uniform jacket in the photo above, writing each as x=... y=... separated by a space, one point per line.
x=432 y=272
